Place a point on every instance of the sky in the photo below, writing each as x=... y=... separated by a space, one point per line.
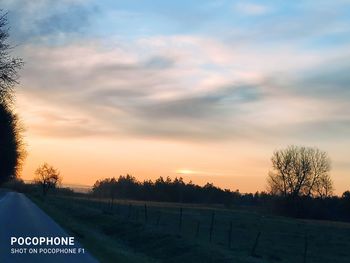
x=206 y=90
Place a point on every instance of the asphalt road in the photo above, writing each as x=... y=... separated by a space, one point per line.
x=20 y=217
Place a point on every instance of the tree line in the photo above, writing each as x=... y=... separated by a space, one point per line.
x=297 y=171
x=176 y=190
x=162 y=189
x=299 y=185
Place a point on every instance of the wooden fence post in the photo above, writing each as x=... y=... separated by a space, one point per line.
x=305 y=248
x=211 y=226
x=137 y=214
x=253 y=254
x=158 y=218
x=129 y=211
x=230 y=235
x=197 y=230
x=112 y=205
x=118 y=208
x=180 y=220
x=146 y=215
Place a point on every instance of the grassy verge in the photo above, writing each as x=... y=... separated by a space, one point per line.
x=84 y=224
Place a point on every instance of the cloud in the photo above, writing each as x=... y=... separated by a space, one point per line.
x=251 y=8
x=203 y=111
x=329 y=80
x=123 y=91
x=126 y=92
x=48 y=21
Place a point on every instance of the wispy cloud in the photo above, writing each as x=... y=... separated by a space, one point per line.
x=247 y=8
x=124 y=91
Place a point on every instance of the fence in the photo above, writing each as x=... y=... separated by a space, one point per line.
x=242 y=232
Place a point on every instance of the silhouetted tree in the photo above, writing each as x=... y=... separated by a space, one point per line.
x=47 y=176
x=300 y=171
x=346 y=204
x=346 y=195
x=11 y=147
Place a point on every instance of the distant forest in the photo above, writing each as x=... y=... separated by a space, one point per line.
x=165 y=190
x=168 y=190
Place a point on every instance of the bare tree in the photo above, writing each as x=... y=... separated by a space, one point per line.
x=324 y=186
x=8 y=65
x=48 y=177
x=300 y=171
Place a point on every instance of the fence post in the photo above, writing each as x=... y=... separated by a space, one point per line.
x=180 y=220
x=112 y=205
x=146 y=216
x=137 y=214
x=158 y=218
x=255 y=244
x=230 y=235
x=129 y=212
x=305 y=248
x=211 y=226
x=106 y=205
x=197 y=230
x=100 y=201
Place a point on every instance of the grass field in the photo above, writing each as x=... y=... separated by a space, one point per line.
x=132 y=231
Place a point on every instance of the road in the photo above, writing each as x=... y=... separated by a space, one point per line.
x=20 y=217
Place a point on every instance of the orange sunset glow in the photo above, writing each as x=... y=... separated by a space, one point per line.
x=208 y=95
